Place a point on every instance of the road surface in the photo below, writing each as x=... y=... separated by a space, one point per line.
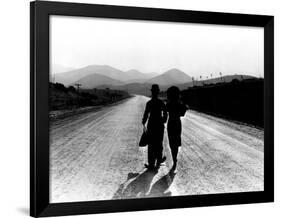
x=95 y=156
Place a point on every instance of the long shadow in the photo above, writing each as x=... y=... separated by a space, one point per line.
x=137 y=188
x=159 y=188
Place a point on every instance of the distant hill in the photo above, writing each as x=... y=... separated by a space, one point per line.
x=74 y=75
x=132 y=88
x=129 y=76
x=223 y=79
x=136 y=88
x=95 y=80
x=171 y=77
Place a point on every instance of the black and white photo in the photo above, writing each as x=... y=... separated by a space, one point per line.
x=196 y=89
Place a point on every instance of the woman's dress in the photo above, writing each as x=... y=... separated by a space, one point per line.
x=175 y=110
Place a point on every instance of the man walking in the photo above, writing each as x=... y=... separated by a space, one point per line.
x=156 y=114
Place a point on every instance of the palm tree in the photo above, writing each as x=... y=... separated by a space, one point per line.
x=78 y=86
x=221 y=76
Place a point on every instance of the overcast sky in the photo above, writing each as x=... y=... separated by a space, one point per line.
x=196 y=49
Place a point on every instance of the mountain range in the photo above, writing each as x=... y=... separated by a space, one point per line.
x=133 y=81
x=98 y=75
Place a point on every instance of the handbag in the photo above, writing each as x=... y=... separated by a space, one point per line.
x=144 y=139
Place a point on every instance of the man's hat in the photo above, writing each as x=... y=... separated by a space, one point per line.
x=155 y=87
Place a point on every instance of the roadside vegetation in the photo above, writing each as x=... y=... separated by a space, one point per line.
x=241 y=100
x=65 y=98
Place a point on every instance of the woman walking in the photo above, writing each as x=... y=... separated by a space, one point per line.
x=175 y=109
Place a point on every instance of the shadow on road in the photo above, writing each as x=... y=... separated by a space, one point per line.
x=160 y=188
x=137 y=188
x=137 y=185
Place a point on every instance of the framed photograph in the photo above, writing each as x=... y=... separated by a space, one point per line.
x=144 y=108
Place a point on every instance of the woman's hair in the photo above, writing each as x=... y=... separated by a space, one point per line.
x=173 y=93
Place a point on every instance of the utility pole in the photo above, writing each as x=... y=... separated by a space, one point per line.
x=78 y=86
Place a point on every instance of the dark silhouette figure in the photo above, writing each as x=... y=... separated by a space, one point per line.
x=156 y=114
x=176 y=110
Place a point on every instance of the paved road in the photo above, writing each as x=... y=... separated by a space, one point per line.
x=95 y=156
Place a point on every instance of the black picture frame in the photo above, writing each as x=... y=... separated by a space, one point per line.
x=39 y=114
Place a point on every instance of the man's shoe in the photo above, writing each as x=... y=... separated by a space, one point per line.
x=149 y=167
x=161 y=161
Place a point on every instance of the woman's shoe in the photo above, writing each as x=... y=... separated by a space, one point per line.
x=174 y=168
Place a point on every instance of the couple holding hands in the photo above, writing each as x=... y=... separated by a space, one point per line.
x=155 y=116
